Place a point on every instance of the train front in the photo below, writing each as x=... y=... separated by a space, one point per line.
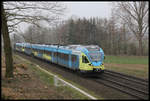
x=92 y=59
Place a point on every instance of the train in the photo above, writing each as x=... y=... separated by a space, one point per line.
x=86 y=59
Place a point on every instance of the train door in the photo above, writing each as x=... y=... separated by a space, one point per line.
x=84 y=63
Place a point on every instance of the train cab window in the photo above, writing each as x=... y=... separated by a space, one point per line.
x=84 y=59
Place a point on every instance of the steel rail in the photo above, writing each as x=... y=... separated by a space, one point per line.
x=127 y=78
x=126 y=75
x=107 y=83
x=121 y=84
x=109 y=78
x=127 y=82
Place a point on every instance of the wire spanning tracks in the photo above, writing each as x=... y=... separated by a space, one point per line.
x=133 y=86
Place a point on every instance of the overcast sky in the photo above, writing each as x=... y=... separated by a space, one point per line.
x=83 y=9
x=88 y=9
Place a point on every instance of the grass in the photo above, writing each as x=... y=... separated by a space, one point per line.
x=80 y=87
x=132 y=65
x=45 y=77
x=60 y=89
x=135 y=72
x=126 y=59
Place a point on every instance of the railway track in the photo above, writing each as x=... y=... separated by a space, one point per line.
x=133 y=86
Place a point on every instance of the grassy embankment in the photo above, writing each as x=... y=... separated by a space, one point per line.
x=49 y=80
x=132 y=65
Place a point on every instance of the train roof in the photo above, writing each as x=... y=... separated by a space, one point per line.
x=74 y=49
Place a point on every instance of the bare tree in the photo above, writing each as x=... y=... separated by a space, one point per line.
x=14 y=13
x=135 y=14
x=7 y=45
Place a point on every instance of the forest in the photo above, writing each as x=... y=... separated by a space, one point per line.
x=114 y=39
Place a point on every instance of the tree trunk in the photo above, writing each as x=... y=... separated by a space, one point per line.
x=140 y=47
x=7 y=45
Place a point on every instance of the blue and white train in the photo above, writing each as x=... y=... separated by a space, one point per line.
x=82 y=58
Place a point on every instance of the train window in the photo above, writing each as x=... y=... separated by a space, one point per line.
x=73 y=58
x=45 y=52
x=40 y=51
x=50 y=53
x=62 y=56
x=84 y=59
x=34 y=49
x=26 y=49
x=55 y=54
x=29 y=49
x=66 y=56
x=59 y=55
